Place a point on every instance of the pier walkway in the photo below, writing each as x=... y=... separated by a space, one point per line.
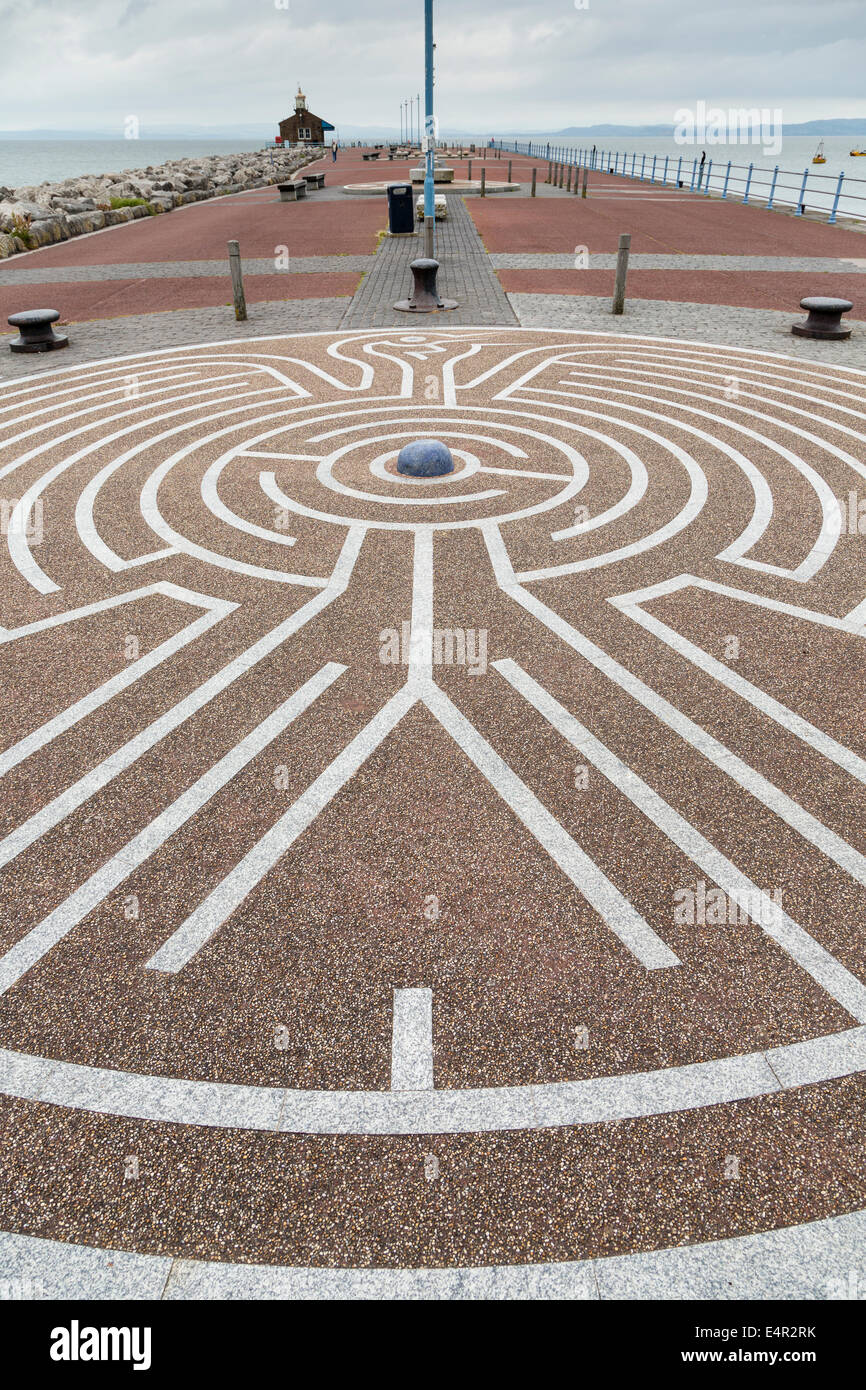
x=322 y=263
x=446 y=888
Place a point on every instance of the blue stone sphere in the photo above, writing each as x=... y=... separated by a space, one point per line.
x=425 y=458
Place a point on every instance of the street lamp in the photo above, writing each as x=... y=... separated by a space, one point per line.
x=429 y=141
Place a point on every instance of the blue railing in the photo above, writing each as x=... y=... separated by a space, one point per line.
x=806 y=191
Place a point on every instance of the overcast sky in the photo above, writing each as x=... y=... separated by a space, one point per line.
x=501 y=64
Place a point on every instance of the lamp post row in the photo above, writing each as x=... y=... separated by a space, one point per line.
x=409 y=129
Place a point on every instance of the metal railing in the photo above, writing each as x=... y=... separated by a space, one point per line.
x=804 y=191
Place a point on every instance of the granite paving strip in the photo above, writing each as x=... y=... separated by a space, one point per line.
x=108 y=338
x=12 y=273
x=765 y=329
x=812 y=1262
x=648 y=261
x=465 y=275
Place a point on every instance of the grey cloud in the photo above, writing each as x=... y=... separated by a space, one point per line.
x=500 y=63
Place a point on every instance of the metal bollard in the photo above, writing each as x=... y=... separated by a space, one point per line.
x=469 y=171
x=621 y=273
x=425 y=297
x=237 y=281
x=509 y=170
x=35 y=333
x=825 y=318
x=534 y=181
x=484 y=183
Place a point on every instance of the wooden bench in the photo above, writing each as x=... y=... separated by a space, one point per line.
x=291 y=192
x=374 y=155
x=314 y=181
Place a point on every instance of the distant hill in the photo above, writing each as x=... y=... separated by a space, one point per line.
x=855 y=126
x=258 y=133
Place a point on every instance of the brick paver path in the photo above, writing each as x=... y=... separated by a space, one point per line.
x=466 y=275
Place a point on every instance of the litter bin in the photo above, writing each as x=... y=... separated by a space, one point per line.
x=401 y=211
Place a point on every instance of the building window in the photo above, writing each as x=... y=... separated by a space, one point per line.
x=304 y=133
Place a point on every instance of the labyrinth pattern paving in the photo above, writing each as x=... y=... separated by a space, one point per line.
x=402 y=873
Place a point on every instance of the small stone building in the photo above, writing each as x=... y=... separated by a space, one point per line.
x=303 y=128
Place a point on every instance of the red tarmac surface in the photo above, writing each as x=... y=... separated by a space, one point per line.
x=116 y=298
x=675 y=223
x=756 y=289
x=660 y=221
x=201 y=231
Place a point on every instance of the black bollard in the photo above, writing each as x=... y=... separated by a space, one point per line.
x=825 y=318
x=35 y=333
x=425 y=295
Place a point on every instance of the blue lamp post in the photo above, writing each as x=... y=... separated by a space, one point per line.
x=430 y=127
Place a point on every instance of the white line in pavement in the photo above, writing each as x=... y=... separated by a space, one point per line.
x=421 y=643
x=857 y=616
x=615 y=910
x=62 y=805
x=50 y=389
x=685 y=581
x=526 y=473
x=32 y=947
x=839 y=983
x=764 y=791
x=617 y=913
x=84 y=521
x=201 y=386
x=774 y=709
x=185 y=378
x=809 y=1262
x=647 y=363
x=289 y=458
x=763 y=508
x=13 y=634
x=547 y=1105
x=831 y=515
x=636 y=490
x=412 y=1040
x=219 y=905
x=575 y=335
x=53 y=728
x=694 y=506
x=17 y=538
x=215 y=505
